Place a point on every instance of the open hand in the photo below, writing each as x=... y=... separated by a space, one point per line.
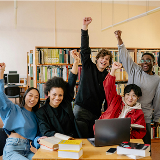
x=118 y=33
x=116 y=65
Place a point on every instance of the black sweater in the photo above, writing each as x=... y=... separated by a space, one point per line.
x=90 y=91
x=61 y=119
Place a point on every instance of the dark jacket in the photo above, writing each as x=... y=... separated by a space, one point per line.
x=50 y=123
x=90 y=90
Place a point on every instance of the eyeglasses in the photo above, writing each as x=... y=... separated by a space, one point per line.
x=147 y=61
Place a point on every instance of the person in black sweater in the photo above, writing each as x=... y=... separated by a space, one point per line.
x=56 y=116
x=90 y=96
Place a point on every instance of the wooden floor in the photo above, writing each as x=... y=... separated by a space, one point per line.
x=155 y=148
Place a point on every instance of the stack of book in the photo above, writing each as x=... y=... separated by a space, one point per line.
x=51 y=143
x=70 y=149
x=134 y=150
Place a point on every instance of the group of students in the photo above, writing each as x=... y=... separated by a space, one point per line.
x=29 y=123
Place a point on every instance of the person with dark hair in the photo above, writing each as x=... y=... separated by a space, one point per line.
x=124 y=107
x=147 y=80
x=20 y=123
x=56 y=116
x=91 y=95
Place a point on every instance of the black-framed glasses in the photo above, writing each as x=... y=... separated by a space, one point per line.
x=147 y=61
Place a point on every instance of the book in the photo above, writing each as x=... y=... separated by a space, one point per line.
x=137 y=149
x=137 y=126
x=70 y=154
x=47 y=148
x=52 y=142
x=70 y=145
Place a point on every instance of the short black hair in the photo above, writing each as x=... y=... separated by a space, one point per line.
x=55 y=82
x=36 y=107
x=135 y=88
x=150 y=54
x=103 y=52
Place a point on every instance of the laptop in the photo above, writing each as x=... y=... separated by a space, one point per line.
x=111 y=132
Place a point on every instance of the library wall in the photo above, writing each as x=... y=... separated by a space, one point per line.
x=41 y=23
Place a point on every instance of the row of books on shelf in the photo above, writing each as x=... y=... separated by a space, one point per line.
x=47 y=72
x=30 y=57
x=120 y=88
x=115 y=55
x=53 y=56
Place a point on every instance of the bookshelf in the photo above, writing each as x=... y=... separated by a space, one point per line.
x=58 y=60
x=30 y=68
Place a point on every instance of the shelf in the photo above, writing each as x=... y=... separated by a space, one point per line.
x=121 y=81
x=57 y=64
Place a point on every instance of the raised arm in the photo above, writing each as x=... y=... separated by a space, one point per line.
x=109 y=85
x=86 y=22
x=126 y=59
x=6 y=106
x=85 y=49
x=75 y=55
x=72 y=76
x=118 y=36
x=2 y=69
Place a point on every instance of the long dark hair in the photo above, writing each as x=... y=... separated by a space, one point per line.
x=35 y=108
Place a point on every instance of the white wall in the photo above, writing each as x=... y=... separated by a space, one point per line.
x=37 y=22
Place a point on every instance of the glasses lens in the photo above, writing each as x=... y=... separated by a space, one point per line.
x=148 y=60
x=143 y=61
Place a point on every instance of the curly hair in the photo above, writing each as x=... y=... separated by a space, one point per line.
x=103 y=53
x=55 y=82
x=36 y=107
x=135 y=88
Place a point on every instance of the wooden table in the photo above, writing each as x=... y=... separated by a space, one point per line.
x=89 y=153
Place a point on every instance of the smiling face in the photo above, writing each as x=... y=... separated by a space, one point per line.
x=31 y=99
x=103 y=62
x=130 y=98
x=56 y=96
x=147 y=67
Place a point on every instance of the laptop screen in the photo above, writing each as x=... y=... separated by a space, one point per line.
x=112 y=131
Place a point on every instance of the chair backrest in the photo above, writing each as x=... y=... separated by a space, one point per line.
x=3 y=137
x=12 y=90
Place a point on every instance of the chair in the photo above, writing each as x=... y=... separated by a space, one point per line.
x=3 y=137
x=13 y=91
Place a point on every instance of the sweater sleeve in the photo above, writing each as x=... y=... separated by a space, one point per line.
x=85 y=49
x=138 y=133
x=70 y=86
x=110 y=89
x=156 y=104
x=129 y=65
x=5 y=104
x=44 y=126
